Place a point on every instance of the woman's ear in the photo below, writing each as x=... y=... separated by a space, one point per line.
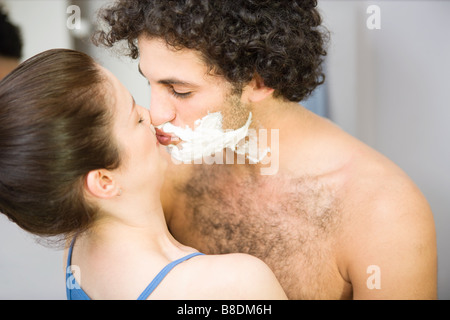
x=101 y=184
x=256 y=90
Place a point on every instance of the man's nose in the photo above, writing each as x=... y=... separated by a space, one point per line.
x=161 y=111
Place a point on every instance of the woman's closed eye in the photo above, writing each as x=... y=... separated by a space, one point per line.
x=141 y=118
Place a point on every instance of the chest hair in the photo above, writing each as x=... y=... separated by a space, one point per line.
x=287 y=222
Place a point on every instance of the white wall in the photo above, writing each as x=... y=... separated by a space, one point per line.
x=391 y=89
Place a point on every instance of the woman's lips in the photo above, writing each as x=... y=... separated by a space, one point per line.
x=164 y=138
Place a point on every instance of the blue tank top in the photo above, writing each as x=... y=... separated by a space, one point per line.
x=74 y=291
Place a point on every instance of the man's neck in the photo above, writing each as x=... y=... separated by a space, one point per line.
x=278 y=125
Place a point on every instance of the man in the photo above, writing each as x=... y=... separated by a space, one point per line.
x=333 y=218
x=10 y=45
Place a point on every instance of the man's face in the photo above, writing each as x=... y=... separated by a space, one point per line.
x=182 y=91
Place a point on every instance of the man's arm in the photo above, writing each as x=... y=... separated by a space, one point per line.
x=391 y=251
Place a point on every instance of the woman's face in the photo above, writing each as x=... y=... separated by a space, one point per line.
x=142 y=165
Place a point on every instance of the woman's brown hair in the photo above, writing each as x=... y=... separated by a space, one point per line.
x=55 y=127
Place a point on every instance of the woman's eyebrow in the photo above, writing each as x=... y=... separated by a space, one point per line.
x=133 y=105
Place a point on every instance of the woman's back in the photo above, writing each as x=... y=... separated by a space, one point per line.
x=127 y=271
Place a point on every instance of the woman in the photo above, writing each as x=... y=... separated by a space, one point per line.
x=79 y=159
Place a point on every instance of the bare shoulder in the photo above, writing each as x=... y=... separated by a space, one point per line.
x=228 y=277
x=381 y=192
x=242 y=276
x=389 y=228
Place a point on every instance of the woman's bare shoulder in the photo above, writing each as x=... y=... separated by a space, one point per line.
x=228 y=276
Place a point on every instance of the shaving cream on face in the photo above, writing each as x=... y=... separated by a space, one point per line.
x=207 y=138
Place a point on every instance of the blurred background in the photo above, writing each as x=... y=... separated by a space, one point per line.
x=388 y=86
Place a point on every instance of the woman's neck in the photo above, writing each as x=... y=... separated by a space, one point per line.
x=137 y=223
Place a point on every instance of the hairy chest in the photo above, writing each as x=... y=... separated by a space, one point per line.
x=290 y=223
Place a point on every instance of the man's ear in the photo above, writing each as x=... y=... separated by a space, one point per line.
x=101 y=184
x=256 y=90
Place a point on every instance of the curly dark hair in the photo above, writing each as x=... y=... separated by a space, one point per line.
x=281 y=41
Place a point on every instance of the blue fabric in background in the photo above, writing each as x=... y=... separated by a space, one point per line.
x=317 y=102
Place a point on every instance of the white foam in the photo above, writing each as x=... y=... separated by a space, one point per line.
x=208 y=138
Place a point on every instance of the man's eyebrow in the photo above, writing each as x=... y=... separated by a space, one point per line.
x=171 y=81
x=174 y=81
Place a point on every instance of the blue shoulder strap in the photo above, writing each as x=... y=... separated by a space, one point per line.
x=73 y=289
x=157 y=280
